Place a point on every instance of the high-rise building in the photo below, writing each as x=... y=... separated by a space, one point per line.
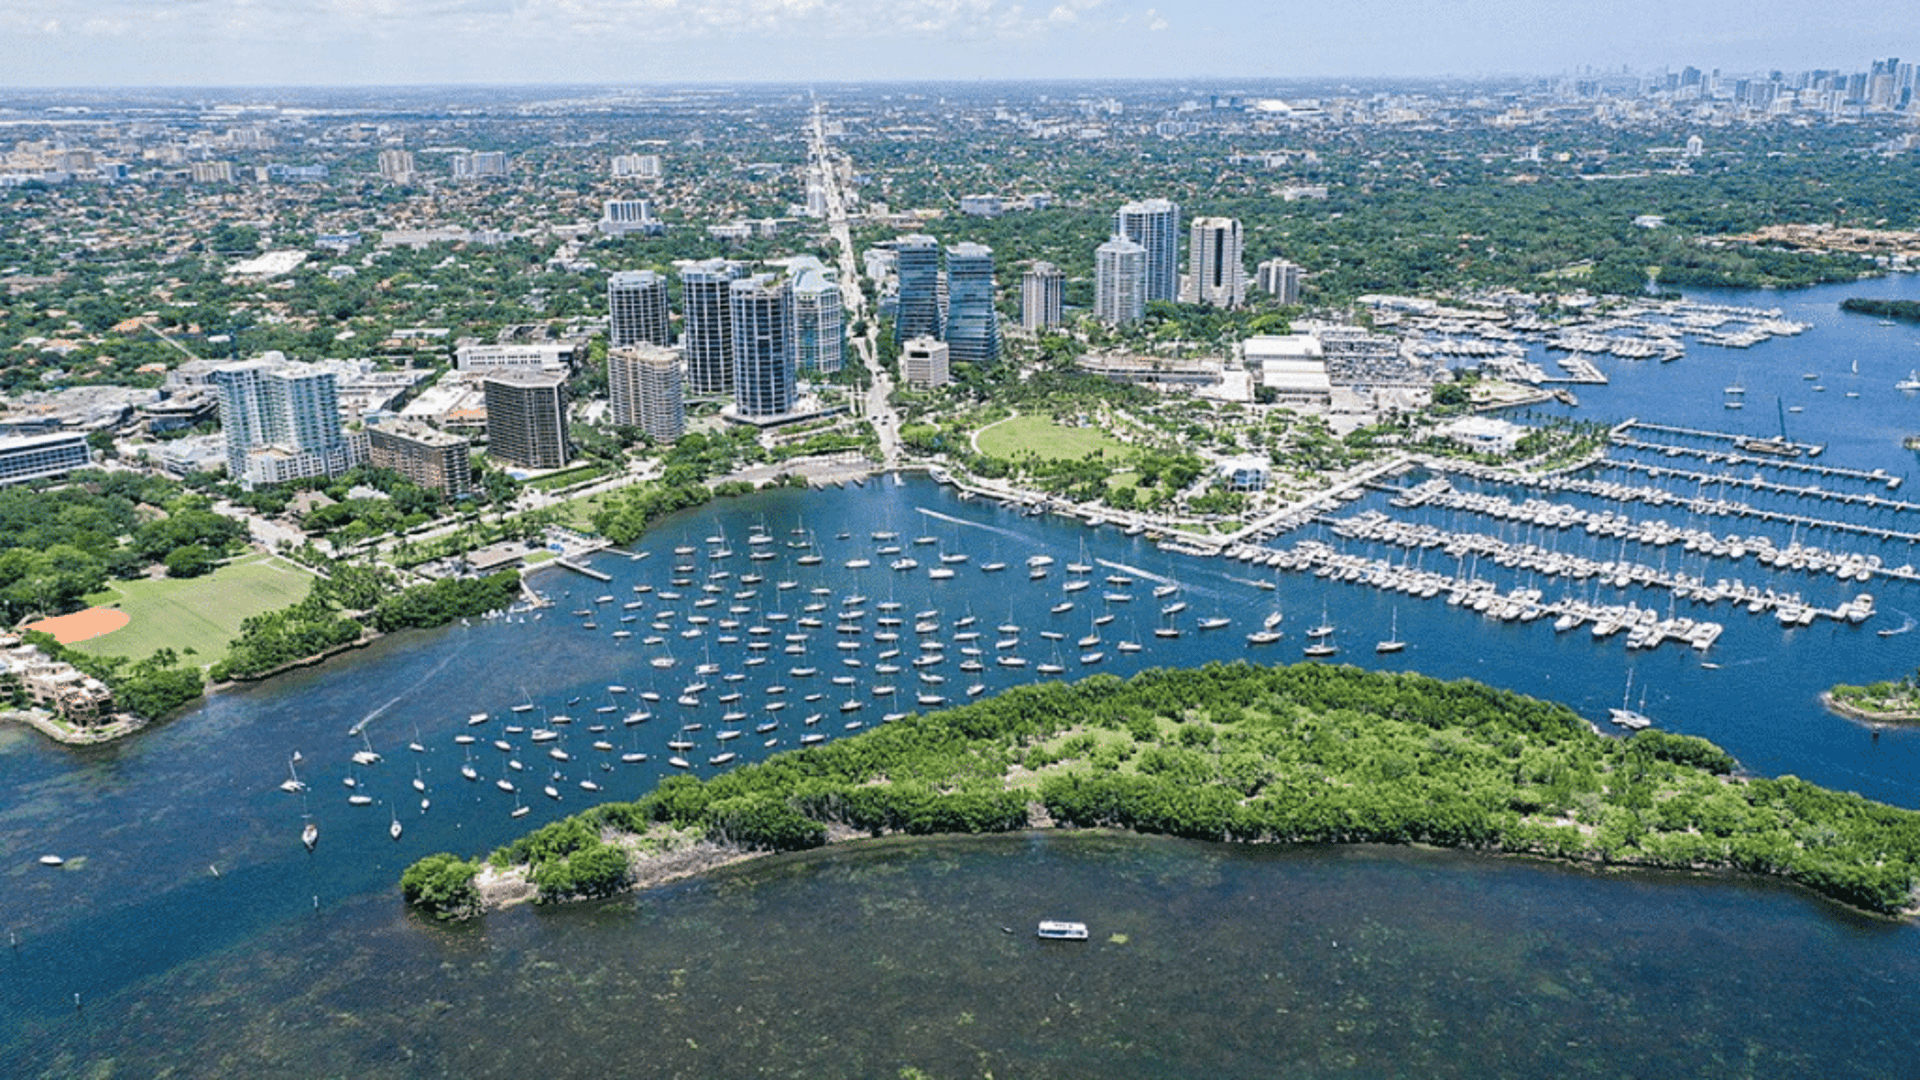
x=479 y=165
x=1041 y=294
x=1154 y=224
x=764 y=335
x=426 y=456
x=706 y=327
x=924 y=363
x=1216 y=276
x=973 y=326
x=210 y=172
x=917 y=268
x=643 y=166
x=1281 y=280
x=1119 y=282
x=644 y=385
x=621 y=216
x=281 y=419
x=819 y=312
x=397 y=166
x=527 y=418
x=637 y=309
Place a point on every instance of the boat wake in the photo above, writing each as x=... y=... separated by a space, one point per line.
x=1011 y=534
x=1143 y=575
x=408 y=692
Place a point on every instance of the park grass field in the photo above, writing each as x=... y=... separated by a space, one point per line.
x=577 y=512
x=201 y=613
x=1020 y=435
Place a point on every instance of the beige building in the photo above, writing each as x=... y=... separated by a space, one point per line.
x=426 y=456
x=645 y=389
x=58 y=687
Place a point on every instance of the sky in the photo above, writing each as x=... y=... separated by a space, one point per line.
x=386 y=42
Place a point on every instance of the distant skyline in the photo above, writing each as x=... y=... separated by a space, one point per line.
x=55 y=43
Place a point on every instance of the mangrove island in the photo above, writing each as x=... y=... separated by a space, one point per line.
x=1303 y=754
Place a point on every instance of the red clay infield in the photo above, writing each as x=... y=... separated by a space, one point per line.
x=82 y=625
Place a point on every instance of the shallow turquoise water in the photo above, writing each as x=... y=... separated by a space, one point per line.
x=1205 y=961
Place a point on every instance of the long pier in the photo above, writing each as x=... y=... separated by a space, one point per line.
x=581 y=568
x=1659 y=533
x=1712 y=507
x=1734 y=457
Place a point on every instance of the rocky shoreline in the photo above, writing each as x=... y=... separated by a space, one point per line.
x=122 y=725
x=1855 y=712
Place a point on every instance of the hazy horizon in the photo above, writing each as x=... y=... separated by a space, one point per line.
x=107 y=44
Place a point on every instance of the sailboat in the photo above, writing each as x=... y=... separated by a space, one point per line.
x=393 y=830
x=310 y=835
x=1911 y=382
x=292 y=783
x=1393 y=644
x=1324 y=630
x=1629 y=718
x=1320 y=638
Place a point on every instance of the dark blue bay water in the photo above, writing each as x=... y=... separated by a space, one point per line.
x=866 y=960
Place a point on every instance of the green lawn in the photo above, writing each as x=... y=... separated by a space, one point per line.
x=198 y=613
x=1042 y=437
x=577 y=512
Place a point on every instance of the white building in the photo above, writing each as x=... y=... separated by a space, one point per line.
x=1119 y=282
x=1293 y=366
x=479 y=165
x=1280 y=279
x=1042 y=292
x=37 y=457
x=1216 y=272
x=819 y=312
x=640 y=166
x=1248 y=472
x=987 y=206
x=1484 y=434
x=1154 y=224
x=621 y=216
x=281 y=419
x=540 y=356
x=397 y=166
x=923 y=363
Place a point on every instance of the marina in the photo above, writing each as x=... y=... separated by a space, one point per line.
x=133 y=915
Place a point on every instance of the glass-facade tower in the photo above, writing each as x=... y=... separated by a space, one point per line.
x=706 y=330
x=917 y=267
x=764 y=339
x=973 y=327
x=637 y=309
x=1154 y=224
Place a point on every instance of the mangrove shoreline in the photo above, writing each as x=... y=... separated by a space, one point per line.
x=1307 y=754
